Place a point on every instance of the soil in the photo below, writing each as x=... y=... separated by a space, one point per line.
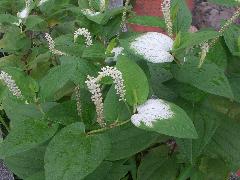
x=206 y=14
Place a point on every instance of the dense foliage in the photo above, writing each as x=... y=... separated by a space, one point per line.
x=81 y=98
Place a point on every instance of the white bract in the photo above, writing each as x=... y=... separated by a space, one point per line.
x=24 y=13
x=151 y=111
x=154 y=47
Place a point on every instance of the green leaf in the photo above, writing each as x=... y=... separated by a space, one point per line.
x=157 y=164
x=226 y=143
x=208 y=78
x=206 y=122
x=235 y=81
x=26 y=84
x=64 y=113
x=186 y=91
x=15 y=41
x=115 y=110
x=72 y=69
x=214 y=169
x=103 y=18
x=147 y=21
x=231 y=36
x=95 y=52
x=18 y=112
x=218 y=54
x=135 y=81
x=109 y=171
x=36 y=23
x=27 y=135
x=8 y=18
x=192 y=39
x=182 y=17
x=73 y=155
x=128 y=140
x=28 y=163
x=165 y=118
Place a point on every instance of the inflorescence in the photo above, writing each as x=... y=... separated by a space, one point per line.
x=11 y=84
x=83 y=32
x=51 y=45
x=94 y=87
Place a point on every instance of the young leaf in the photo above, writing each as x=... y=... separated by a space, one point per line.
x=73 y=155
x=208 y=78
x=165 y=118
x=27 y=135
x=136 y=82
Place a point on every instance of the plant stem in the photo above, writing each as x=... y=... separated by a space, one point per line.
x=4 y=124
x=107 y=128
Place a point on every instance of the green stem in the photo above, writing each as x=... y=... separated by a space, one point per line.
x=4 y=124
x=107 y=128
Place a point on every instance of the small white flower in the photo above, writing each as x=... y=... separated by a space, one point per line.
x=94 y=87
x=166 y=9
x=84 y=32
x=151 y=111
x=51 y=45
x=89 y=12
x=11 y=84
x=154 y=47
x=117 y=51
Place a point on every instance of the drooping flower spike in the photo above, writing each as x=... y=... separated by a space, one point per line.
x=87 y=35
x=51 y=46
x=11 y=84
x=94 y=87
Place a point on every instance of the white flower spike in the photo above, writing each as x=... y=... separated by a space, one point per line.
x=166 y=9
x=83 y=32
x=151 y=111
x=51 y=46
x=154 y=47
x=11 y=84
x=94 y=87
